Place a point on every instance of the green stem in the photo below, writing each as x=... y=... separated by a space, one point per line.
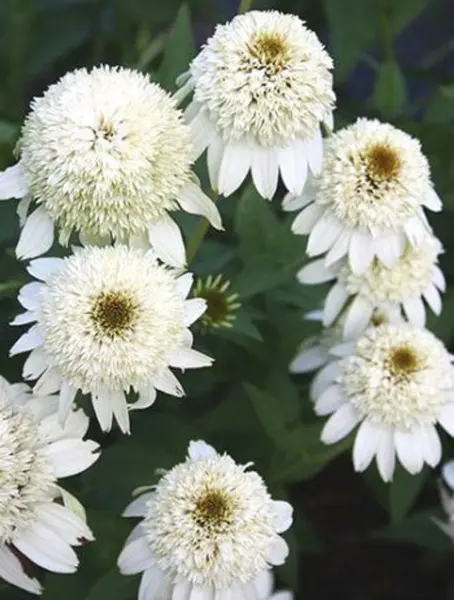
x=387 y=39
x=245 y=5
x=199 y=235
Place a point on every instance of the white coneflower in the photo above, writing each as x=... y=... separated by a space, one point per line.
x=413 y=277
x=368 y=199
x=105 y=153
x=108 y=320
x=397 y=382
x=262 y=87
x=209 y=531
x=35 y=452
x=221 y=305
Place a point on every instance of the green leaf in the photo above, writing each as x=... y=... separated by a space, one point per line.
x=390 y=90
x=179 y=52
x=403 y=492
x=418 y=529
x=441 y=107
x=114 y=586
x=354 y=28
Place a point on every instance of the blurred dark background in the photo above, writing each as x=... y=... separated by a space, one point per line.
x=394 y=60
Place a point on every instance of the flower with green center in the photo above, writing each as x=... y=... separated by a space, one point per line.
x=221 y=306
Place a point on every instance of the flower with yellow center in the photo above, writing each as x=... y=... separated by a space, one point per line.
x=262 y=87
x=107 y=154
x=414 y=277
x=209 y=531
x=396 y=382
x=368 y=200
x=108 y=320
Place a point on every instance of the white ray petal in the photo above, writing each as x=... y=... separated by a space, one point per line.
x=37 y=235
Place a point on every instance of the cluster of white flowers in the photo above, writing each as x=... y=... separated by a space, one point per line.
x=380 y=369
x=105 y=157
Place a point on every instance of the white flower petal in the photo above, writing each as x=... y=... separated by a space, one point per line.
x=389 y=248
x=193 y=309
x=293 y=166
x=186 y=358
x=167 y=241
x=46 y=549
x=283 y=515
x=339 y=248
x=65 y=401
x=22 y=209
x=408 y=449
x=48 y=383
x=235 y=165
x=360 y=252
x=167 y=382
x=13 y=182
x=415 y=311
x=29 y=295
x=308 y=217
x=29 y=341
x=120 y=410
x=263 y=584
x=44 y=268
x=386 y=456
x=291 y=202
x=265 y=171
x=334 y=303
x=203 y=133
x=340 y=424
x=24 y=318
x=135 y=557
x=306 y=361
x=182 y=591
x=214 y=159
x=446 y=419
x=198 y=449
x=359 y=315
x=11 y=570
x=71 y=456
x=433 y=298
x=447 y=472
x=432 y=200
x=314 y=153
x=315 y=272
x=147 y=397
x=439 y=279
x=430 y=445
x=330 y=400
x=138 y=507
x=154 y=585
x=184 y=284
x=277 y=552
x=323 y=379
x=103 y=409
x=195 y=202
x=69 y=527
x=366 y=444
x=37 y=235
x=324 y=235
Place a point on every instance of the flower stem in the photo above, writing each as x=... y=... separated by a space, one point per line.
x=245 y=5
x=199 y=235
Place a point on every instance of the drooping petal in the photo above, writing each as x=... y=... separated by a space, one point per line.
x=408 y=449
x=138 y=507
x=147 y=397
x=334 y=303
x=192 y=200
x=43 y=268
x=37 y=235
x=446 y=418
x=265 y=171
x=154 y=584
x=386 y=456
x=13 y=182
x=324 y=235
x=187 y=358
x=430 y=445
x=340 y=424
x=330 y=400
x=308 y=217
x=314 y=153
x=283 y=515
x=235 y=165
x=167 y=241
x=360 y=252
x=184 y=284
x=71 y=456
x=46 y=549
x=315 y=272
x=415 y=311
x=193 y=309
x=29 y=341
x=167 y=382
x=103 y=409
x=432 y=200
x=277 y=552
x=358 y=317
x=120 y=410
x=64 y=523
x=11 y=570
x=366 y=445
x=433 y=298
x=293 y=166
x=214 y=159
x=135 y=557
x=309 y=360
